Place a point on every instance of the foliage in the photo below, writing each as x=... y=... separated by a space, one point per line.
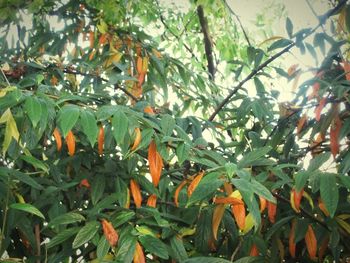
x=118 y=144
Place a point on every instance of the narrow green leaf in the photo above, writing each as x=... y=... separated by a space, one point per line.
x=300 y=179
x=102 y=248
x=167 y=124
x=154 y=246
x=120 y=125
x=253 y=156
x=329 y=192
x=277 y=226
x=289 y=27
x=33 y=108
x=27 y=208
x=177 y=248
x=97 y=189
x=62 y=236
x=24 y=178
x=35 y=162
x=319 y=160
x=86 y=233
x=67 y=218
x=231 y=169
x=281 y=43
x=182 y=152
x=67 y=117
x=89 y=125
x=261 y=190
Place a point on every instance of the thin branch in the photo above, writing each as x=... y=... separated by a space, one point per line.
x=236 y=249
x=3 y=73
x=239 y=22
x=37 y=240
x=271 y=59
x=208 y=44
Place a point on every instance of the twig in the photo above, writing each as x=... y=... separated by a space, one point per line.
x=207 y=42
x=239 y=22
x=7 y=81
x=236 y=250
x=37 y=240
x=271 y=59
x=303 y=211
x=4 y=219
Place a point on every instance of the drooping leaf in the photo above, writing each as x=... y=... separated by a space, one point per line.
x=27 y=208
x=67 y=218
x=33 y=108
x=67 y=118
x=154 y=246
x=120 y=125
x=88 y=123
x=329 y=192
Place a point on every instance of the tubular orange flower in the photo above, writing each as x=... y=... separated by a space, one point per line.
x=193 y=185
x=152 y=201
x=271 y=211
x=239 y=213
x=139 y=256
x=149 y=110
x=155 y=163
x=109 y=232
x=136 y=193
x=57 y=135
x=177 y=192
x=292 y=239
x=138 y=138
x=70 y=140
x=84 y=183
x=334 y=135
x=228 y=200
x=262 y=204
x=101 y=140
x=254 y=251
x=322 y=207
x=311 y=242
x=217 y=217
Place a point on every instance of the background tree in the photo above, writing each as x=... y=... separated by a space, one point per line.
x=122 y=142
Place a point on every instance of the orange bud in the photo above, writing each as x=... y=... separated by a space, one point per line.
x=319 y=108
x=292 y=239
x=271 y=211
x=101 y=140
x=57 y=135
x=155 y=163
x=311 y=242
x=193 y=185
x=84 y=183
x=109 y=232
x=334 y=135
x=149 y=110
x=217 y=217
x=92 y=39
x=103 y=39
x=238 y=211
x=70 y=140
x=262 y=204
x=177 y=192
x=139 y=256
x=254 y=251
x=152 y=201
x=138 y=138
x=136 y=193
x=228 y=200
x=322 y=207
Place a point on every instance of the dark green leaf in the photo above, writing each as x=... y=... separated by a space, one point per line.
x=35 y=162
x=67 y=117
x=289 y=27
x=250 y=158
x=86 y=233
x=67 y=218
x=167 y=123
x=33 y=107
x=177 y=248
x=89 y=125
x=154 y=246
x=27 y=208
x=102 y=248
x=97 y=188
x=329 y=192
x=120 y=125
x=62 y=236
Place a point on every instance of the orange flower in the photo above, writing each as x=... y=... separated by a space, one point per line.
x=254 y=251
x=57 y=135
x=109 y=232
x=152 y=201
x=311 y=242
x=139 y=256
x=70 y=140
x=271 y=211
x=228 y=200
x=238 y=211
x=138 y=138
x=217 y=217
x=84 y=183
x=262 y=204
x=193 y=185
x=149 y=110
x=292 y=239
x=155 y=163
x=101 y=139
x=92 y=39
x=177 y=192
x=136 y=193
x=295 y=199
x=334 y=135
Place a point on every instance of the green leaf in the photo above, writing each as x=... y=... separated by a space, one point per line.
x=62 y=236
x=261 y=190
x=33 y=108
x=102 y=248
x=11 y=130
x=231 y=169
x=97 y=188
x=206 y=260
x=318 y=161
x=86 y=233
x=347 y=17
x=289 y=27
x=259 y=86
x=120 y=125
x=27 y=208
x=24 y=178
x=206 y=188
x=126 y=248
x=250 y=260
x=182 y=152
x=89 y=125
x=122 y=217
x=275 y=227
x=300 y=179
x=67 y=117
x=167 y=124
x=281 y=43
x=250 y=158
x=67 y=218
x=35 y=162
x=154 y=246
x=177 y=248
x=329 y=192
x=345 y=181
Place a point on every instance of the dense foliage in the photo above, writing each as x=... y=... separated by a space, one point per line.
x=122 y=141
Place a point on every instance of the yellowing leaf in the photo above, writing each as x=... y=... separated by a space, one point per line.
x=102 y=27
x=217 y=217
x=11 y=130
x=155 y=162
x=270 y=39
x=4 y=91
x=236 y=194
x=137 y=140
x=193 y=185
x=343 y=224
x=177 y=192
x=249 y=223
x=309 y=199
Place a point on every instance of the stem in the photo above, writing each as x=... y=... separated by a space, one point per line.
x=2 y=237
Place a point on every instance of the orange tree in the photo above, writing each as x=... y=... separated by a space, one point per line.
x=121 y=141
